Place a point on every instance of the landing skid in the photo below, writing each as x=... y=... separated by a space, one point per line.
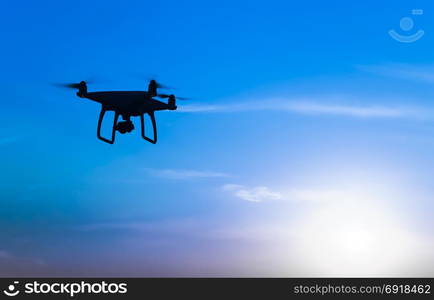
x=142 y=123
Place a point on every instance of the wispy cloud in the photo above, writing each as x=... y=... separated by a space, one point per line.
x=346 y=110
x=293 y=195
x=184 y=174
x=403 y=71
x=252 y=194
x=309 y=107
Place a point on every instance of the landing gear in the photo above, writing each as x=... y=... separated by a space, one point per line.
x=125 y=126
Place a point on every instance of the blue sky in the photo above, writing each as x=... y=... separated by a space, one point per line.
x=306 y=150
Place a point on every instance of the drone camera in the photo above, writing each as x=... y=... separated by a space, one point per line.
x=124 y=127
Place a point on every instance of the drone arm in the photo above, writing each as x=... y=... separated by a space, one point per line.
x=101 y=117
x=154 y=125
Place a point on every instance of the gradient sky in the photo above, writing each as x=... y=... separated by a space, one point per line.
x=308 y=149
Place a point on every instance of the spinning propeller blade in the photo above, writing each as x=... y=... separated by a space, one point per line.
x=71 y=85
x=168 y=96
x=161 y=86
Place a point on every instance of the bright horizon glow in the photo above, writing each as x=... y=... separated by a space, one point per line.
x=355 y=234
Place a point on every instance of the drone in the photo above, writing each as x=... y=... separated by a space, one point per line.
x=127 y=104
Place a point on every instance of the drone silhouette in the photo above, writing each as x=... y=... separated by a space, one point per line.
x=127 y=104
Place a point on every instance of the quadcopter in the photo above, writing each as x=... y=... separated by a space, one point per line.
x=127 y=104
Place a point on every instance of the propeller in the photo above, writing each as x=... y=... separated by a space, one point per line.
x=150 y=78
x=168 y=96
x=71 y=85
x=160 y=85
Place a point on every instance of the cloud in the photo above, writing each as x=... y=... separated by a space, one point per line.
x=294 y=195
x=252 y=194
x=309 y=107
x=184 y=174
x=403 y=71
x=346 y=110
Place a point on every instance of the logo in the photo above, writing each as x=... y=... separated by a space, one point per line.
x=406 y=24
x=11 y=291
x=66 y=288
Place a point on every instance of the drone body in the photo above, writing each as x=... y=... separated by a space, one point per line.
x=127 y=104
